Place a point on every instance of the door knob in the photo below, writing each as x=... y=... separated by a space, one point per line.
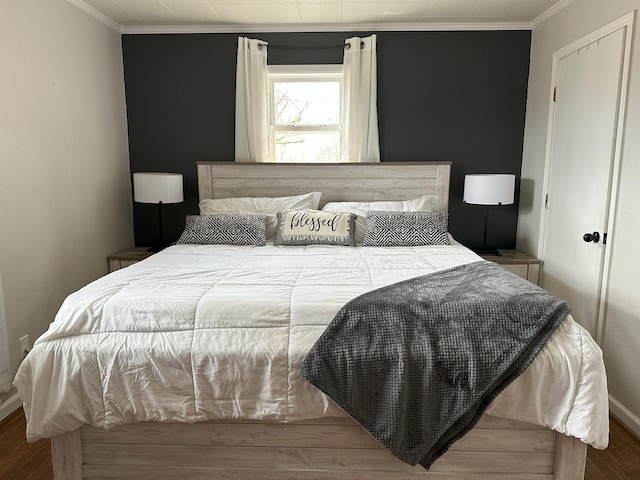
x=591 y=237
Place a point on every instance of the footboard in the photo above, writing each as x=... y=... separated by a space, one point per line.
x=331 y=448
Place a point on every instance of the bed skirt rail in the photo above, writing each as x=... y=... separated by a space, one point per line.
x=331 y=448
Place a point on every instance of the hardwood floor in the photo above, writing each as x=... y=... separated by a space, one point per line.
x=22 y=461
x=621 y=461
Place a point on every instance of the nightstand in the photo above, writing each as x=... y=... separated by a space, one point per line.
x=127 y=257
x=520 y=263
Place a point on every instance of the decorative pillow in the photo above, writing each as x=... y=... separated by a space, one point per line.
x=260 y=205
x=406 y=229
x=426 y=203
x=224 y=229
x=307 y=227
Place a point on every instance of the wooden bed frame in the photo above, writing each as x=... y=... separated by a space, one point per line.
x=329 y=448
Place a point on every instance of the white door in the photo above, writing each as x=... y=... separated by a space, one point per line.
x=579 y=182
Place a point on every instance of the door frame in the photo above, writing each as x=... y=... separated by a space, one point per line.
x=626 y=22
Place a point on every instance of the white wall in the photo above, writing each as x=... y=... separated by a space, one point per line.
x=65 y=199
x=621 y=343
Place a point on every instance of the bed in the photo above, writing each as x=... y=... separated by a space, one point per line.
x=276 y=426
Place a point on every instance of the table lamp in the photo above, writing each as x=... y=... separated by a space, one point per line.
x=159 y=188
x=489 y=189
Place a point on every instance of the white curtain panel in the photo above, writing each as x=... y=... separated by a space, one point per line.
x=5 y=368
x=360 y=112
x=252 y=143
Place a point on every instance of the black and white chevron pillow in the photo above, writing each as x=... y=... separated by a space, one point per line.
x=224 y=229
x=406 y=229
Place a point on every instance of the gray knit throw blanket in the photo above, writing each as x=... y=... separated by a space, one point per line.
x=416 y=363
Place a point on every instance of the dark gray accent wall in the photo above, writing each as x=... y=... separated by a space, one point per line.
x=457 y=96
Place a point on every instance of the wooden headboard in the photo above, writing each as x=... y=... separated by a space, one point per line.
x=336 y=181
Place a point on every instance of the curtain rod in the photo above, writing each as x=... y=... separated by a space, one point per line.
x=342 y=45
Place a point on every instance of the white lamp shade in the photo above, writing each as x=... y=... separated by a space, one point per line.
x=489 y=189
x=153 y=187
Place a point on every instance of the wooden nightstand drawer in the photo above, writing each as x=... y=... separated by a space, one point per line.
x=520 y=270
x=520 y=263
x=127 y=257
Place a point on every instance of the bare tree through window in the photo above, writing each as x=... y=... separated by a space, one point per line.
x=306 y=119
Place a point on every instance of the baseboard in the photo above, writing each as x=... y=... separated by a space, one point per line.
x=631 y=421
x=9 y=403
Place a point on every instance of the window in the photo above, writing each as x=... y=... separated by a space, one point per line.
x=305 y=111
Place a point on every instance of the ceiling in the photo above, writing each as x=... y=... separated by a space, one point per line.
x=177 y=15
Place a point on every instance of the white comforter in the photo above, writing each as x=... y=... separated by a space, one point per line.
x=205 y=332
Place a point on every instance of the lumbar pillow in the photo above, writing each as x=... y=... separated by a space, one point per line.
x=307 y=227
x=406 y=229
x=224 y=229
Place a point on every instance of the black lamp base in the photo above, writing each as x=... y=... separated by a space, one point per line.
x=160 y=245
x=485 y=250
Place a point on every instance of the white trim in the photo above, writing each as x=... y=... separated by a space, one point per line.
x=608 y=29
x=9 y=404
x=295 y=72
x=625 y=22
x=547 y=159
x=550 y=12
x=343 y=27
x=631 y=421
x=307 y=128
x=101 y=17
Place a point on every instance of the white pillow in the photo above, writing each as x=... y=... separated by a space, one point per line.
x=426 y=203
x=268 y=206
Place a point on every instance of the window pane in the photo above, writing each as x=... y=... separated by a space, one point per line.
x=307 y=147
x=306 y=103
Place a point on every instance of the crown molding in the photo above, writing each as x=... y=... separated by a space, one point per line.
x=550 y=12
x=343 y=27
x=101 y=17
x=358 y=27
